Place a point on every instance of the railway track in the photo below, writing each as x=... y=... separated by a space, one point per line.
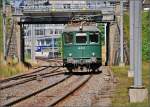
x=19 y=81
x=12 y=102
x=20 y=75
x=53 y=93
x=31 y=78
x=24 y=78
x=53 y=90
x=35 y=72
x=70 y=92
x=75 y=84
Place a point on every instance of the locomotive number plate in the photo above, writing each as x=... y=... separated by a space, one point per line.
x=81 y=48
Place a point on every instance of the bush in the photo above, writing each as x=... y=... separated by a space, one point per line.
x=145 y=34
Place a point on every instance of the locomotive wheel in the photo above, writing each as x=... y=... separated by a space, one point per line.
x=93 y=67
x=69 y=67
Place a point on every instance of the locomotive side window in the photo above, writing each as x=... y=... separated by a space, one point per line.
x=93 y=38
x=68 y=38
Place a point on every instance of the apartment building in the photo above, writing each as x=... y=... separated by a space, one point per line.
x=45 y=38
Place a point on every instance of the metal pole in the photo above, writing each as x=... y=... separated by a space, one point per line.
x=33 y=43
x=105 y=34
x=4 y=31
x=137 y=43
x=131 y=71
x=121 y=34
x=53 y=45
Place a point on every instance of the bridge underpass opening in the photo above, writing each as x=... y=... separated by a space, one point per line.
x=36 y=41
x=57 y=18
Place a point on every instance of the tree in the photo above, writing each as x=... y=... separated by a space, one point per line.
x=102 y=31
x=0 y=3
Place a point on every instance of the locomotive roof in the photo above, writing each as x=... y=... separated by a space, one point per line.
x=77 y=28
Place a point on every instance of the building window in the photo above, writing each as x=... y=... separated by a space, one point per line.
x=66 y=6
x=60 y=31
x=47 y=42
x=42 y=42
x=38 y=42
x=51 y=31
x=56 y=31
x=76 y=6
x=40 y=32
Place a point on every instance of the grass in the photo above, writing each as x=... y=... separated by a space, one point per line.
x=7 y=70
x=10 y=70
x=120 y=98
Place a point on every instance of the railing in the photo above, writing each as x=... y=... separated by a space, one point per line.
x=70 y=8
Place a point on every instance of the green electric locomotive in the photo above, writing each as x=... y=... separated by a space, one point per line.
x=81 y=46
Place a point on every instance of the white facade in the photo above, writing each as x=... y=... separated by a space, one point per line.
x=46 y=38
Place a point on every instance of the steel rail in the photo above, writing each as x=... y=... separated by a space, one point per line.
x=56 y=101
x=18 y=76
x=34 y=93
x=32 y=78
x=25 y=74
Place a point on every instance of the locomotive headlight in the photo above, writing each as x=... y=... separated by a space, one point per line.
x=70 y=54
x=93 y=54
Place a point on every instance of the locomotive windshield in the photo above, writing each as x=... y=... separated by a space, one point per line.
x=93 y=38
x=68 y=38
x=81 y=38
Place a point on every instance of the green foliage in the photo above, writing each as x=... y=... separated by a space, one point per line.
x=145 y=34
x=126 y=28
x=59 y=45
x=27 y=55
x=1 y=35
x=6 y=1
x=0 y=3
x=102 y=31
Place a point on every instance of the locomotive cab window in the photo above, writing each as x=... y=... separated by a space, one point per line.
x=68 y=38
x=81 y=38
x=93 y=38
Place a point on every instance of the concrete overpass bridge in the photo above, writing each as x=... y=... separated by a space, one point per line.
x=61 y=11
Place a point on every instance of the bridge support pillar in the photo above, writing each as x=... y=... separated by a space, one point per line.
x=18 y=36
x=21 y=44
x=107 y=44
x=33 y=43
x=137 y=92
